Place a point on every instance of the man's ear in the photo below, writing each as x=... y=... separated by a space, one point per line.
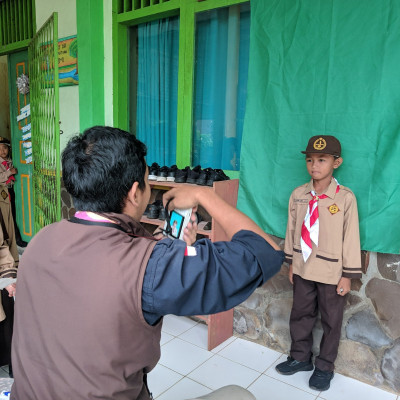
x=133 y=196
x=338 y=162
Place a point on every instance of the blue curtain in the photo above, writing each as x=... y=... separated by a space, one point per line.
x=157 y=89
x=222 y=56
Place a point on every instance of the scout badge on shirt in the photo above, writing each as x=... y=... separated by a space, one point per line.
x=310 y=227
x=4 y=194
x=333 y=209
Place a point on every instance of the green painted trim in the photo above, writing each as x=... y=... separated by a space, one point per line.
x=185 y=87
x=147 y=14
x=120 y=72
x=90 y=32
x=213 y=4
x=14 y=47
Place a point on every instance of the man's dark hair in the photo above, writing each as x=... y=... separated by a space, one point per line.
x=100 y=166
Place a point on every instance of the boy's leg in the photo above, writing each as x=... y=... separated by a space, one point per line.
x=302 y=318
x=331 y=307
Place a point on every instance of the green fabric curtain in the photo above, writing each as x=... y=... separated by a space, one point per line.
x=324 y=67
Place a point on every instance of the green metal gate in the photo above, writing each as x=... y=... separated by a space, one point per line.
x=43 y=74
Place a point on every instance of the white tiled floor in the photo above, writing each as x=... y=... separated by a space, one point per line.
x=187 y=370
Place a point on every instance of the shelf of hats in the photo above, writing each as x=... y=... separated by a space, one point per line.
x=161 y=179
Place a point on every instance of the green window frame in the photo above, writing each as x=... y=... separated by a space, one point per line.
x=127 y=13
x=17 y=24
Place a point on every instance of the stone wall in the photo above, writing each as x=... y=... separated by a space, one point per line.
x=370 y=341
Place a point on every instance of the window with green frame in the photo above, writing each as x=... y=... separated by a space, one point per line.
x=153 y=76
x=220 y=85
x=204 y=79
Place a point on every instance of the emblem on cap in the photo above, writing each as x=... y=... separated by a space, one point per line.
x=333 y=209
x=320 y=144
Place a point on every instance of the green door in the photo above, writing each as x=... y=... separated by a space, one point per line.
x=43 y=75
x=18 y=66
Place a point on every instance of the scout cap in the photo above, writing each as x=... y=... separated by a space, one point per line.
x=324 y=144
x=4 y=141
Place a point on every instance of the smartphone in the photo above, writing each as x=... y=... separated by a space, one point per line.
x=178 y=220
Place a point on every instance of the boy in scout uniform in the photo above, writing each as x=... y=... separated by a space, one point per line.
x=322 y=248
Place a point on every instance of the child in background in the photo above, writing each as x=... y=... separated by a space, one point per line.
x=7 y=179
x=322 y=248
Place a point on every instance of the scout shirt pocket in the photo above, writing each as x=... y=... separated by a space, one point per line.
x=327 y=267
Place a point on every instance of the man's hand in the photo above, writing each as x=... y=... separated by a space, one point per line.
x=11 y=290
x=190 y=232
x=343 y=286
x=291 y=273
x=184 y=197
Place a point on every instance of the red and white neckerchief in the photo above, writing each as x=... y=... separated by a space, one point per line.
x=7 y=165
x=310 y=227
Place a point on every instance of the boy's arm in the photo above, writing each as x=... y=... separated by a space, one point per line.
x=351 y=240
x=290 y=228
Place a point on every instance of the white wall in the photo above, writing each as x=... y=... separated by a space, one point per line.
x=69 y=95
x=4 y=99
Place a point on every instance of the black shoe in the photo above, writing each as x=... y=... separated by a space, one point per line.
x=207 y=226
x=153 y=171
x=162 y=174
x=146 y=211
x=320 y=380
x=291 y=366
x=205 y=175
x=181 y=175
x=21 y=243
x=172 y=173
x=216 y=175
x=154 y=211
x=163 y=213
x=193 y=174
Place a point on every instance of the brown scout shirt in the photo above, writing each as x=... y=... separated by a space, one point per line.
x=79 y=331
x=338 y=253
x=8 y=248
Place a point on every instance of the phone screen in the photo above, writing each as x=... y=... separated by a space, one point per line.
x=176 y=222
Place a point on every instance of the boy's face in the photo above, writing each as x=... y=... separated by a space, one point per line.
x=321 y=166
x=3 y=151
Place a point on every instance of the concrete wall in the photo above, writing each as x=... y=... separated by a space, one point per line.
x=4 y=99
x=69 y=95
x=370 y=340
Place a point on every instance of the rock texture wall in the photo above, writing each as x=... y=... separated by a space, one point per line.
x=370 y=341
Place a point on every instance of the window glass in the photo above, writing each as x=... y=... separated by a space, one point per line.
x=154 y=80
x=221 y=68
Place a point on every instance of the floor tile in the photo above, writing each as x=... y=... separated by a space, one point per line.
x=6 y=383
x=223 y=344
x=161 y=378
x=175 y=326
x=250 y=354
x=299 y=380
x=267 y=388
x=165 y=337
x=198 y=335
x=183 y=357
x=345 y=388
x=218 y=371
x=184 y=389
x=4 y=372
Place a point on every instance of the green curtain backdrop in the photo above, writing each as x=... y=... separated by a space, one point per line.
x=324 y=67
